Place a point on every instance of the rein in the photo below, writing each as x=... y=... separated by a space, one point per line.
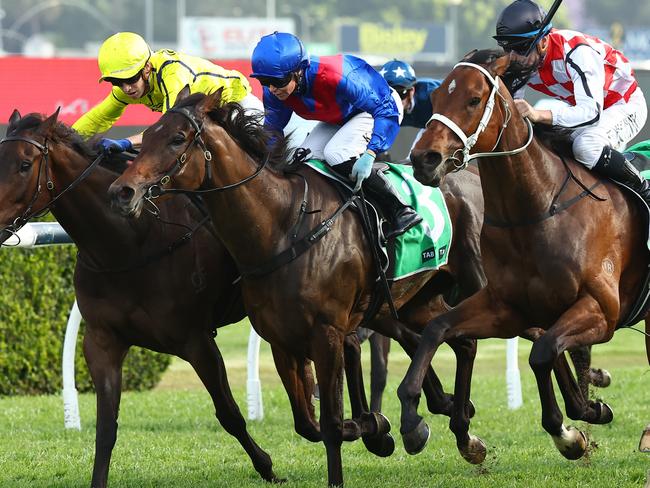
x=155 y=191
x=28 y=214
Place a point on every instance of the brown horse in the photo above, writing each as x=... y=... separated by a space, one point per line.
x=163 y=284
x=561 y=250
x=306 y=305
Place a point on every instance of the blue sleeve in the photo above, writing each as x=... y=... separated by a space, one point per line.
x=276 y=113
x=368 y=91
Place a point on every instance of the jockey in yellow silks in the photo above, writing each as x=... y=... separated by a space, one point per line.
x=154 y=79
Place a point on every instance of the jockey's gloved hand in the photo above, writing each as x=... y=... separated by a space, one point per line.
x=113 y=146
x=362 y=168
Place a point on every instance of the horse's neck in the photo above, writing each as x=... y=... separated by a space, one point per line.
x=85 y=214
x=520 y=186
x=254 y=219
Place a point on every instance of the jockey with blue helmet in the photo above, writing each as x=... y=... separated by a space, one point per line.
x=358 y=113
x=415 y=93
x=604 y=106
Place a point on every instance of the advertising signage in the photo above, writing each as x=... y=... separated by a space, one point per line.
x=417 y=41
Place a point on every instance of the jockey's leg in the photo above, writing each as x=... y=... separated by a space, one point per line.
x=598 y=147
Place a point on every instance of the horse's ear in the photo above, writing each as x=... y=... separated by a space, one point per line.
x=13 y=121
x=48 y=124
x=184 y=93
x=469 y=54
x=500 y=65
x=210 y=102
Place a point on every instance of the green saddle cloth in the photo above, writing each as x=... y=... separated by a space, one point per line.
x=424 y=246
x=643 y=148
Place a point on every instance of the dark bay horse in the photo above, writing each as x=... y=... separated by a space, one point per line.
x=561 y=250
x=311 y=303
x=140 y=282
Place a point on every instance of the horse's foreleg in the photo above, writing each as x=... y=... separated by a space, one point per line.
x=582 y=324
x=438 y=402
x=298 y=382
x=327 y=354
x=477 y=317
x=578 y=405
x=581 y=359
x=472 y=448
x=373 y=427
x=379 y=349
x=104 y=355
x=205 y=357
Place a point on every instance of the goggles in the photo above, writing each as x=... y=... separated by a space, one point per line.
x=128 y=81
x=276 y=82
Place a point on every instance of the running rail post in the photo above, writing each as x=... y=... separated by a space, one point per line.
x=253 y=384
x=71 y=417
x=513 y=379
x=37 y=234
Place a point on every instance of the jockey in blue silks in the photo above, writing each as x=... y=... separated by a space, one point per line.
x=415 y=94
x=358 y=113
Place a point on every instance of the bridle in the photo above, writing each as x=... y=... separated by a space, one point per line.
x=470 y=141
x=157 y=190
x=43 y=167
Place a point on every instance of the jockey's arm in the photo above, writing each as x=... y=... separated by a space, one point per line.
x=587 y=73
x=367 y=94
x=276 y=113
x=101 y=117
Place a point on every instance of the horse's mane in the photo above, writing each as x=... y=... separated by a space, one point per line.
x=247 y=130
x=60 y=133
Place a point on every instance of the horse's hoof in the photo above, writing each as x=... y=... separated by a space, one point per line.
x=644 y=443
x=475 y=451
x=415 y=440
x=382 y=446
x=471 y=410
x=604 y=412
x=572 y=444
x=351 y=430
x=374 y=423
x=600 y=378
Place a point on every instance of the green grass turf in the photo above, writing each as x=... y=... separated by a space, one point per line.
x=169 y=437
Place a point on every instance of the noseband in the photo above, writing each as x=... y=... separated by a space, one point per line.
x=470 y=141
x=155 y=191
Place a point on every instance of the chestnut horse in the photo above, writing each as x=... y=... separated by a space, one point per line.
x=561 y=250
x=308 y=304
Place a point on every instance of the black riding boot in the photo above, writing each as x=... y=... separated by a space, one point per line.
x=614 y=165
x=401 y=217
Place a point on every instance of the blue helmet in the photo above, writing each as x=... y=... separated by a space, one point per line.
x=278 y=55
x=398 y=74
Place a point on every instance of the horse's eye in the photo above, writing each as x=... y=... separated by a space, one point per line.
x=25 y=166
x=474 y=101
x=178 y=139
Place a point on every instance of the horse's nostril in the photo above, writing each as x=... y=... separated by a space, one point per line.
x=126 y=194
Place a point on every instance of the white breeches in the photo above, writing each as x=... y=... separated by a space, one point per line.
x=617 y=126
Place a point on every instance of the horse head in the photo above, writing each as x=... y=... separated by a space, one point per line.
x=24 y=169
x=173 y=153
x=466 y=116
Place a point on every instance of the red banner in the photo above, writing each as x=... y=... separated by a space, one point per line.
x=42 y=85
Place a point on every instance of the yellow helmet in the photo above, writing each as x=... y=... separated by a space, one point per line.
x=122 y=55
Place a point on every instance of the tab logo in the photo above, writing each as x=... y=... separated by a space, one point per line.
x=428 y=254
